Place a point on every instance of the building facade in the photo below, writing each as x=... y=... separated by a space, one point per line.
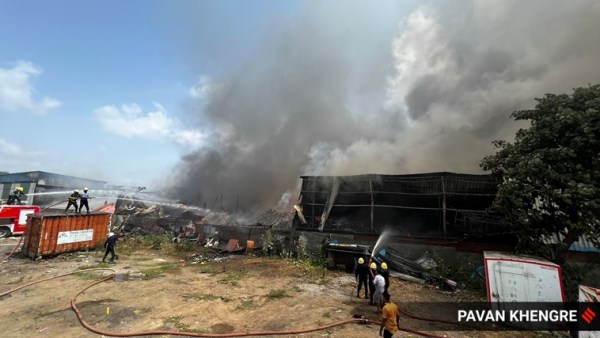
x=43 y=188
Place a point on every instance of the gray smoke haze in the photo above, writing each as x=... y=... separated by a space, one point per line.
x=350 y=88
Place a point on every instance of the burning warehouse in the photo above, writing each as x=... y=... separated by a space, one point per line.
x=443 y=204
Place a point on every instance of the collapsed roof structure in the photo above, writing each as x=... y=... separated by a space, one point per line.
x=138 y=213
x=440 y=204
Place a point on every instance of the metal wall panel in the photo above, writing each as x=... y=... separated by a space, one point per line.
x=50 y=234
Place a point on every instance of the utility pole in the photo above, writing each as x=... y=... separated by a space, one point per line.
x=444 y=206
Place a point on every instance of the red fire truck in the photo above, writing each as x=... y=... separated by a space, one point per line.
x=13 y=218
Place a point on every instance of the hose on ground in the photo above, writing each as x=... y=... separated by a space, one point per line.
x=408 y=314
x=12 y=252
x=191 y=334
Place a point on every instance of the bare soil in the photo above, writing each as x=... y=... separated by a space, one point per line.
x=155 y=290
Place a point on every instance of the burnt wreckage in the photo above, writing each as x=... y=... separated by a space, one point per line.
x=431 y=205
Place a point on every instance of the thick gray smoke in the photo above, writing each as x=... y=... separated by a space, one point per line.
x=349 y=89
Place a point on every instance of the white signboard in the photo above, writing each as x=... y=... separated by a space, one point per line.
x=514 y=278
x=66 y=237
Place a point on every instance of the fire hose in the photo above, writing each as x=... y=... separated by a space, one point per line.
x=190 y=334
x=21 y=240
x=408 y=314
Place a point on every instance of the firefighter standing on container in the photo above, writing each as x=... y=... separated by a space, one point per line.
x=15 y=196
x=73 y=201
x=83 y=200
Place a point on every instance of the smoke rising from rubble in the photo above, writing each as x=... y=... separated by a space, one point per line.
x=347 y=88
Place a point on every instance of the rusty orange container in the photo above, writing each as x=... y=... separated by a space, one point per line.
x=249 y=246
x=50 y=234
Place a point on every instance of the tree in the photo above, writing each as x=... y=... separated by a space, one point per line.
x=550 y=176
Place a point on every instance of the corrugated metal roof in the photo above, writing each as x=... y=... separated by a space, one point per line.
x=274 y=218
x=583 y=244
x=423 y=183
x=36 y=176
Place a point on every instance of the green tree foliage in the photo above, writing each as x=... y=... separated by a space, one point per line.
x=550 y=175
x=268 y=242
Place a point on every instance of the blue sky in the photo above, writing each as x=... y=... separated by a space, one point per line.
x=98 y=88
x=230 y=97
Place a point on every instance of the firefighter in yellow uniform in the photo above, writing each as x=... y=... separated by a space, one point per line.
x=73 y=201
x=15 y=196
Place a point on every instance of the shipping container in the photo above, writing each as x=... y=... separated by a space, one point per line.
x=51 y=234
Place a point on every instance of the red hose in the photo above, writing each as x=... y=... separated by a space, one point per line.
x=13 y=252
x=436 y=320
x=191 y=334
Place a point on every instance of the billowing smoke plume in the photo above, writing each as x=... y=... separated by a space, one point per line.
x=348 y=89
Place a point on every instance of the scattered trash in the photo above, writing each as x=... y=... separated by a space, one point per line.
x=211 y=243
x=214 y=256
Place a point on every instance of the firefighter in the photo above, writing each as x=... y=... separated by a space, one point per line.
x=73 y=201
x=386 y=275
x=361 y=273
x=372 y=274
x=110 y=244
x=83 y=200
x=15 y=196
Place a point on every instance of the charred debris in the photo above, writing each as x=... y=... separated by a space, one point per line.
x=341 y=218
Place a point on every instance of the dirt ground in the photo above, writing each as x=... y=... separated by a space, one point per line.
x=155 y=290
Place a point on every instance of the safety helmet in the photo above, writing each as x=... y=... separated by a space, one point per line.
x=85 y=189
x=384 y=266
x=20 y=188
x=360 y=260
x=373 y=265
x=111 y=234
x=76 y=190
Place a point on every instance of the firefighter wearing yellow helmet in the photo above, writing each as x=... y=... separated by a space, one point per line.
x=361 y=274
x=372 y=274
x=386 y=275
x=73 y=201
x=15 y=196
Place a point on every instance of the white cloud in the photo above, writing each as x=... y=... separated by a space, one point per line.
x=16 y=90
x=130 y=121
x=189 y=137
x=204 y=88
x=12 y=155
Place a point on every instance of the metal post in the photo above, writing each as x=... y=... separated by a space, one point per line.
x=372 y=204
x=312 y=221
x=443 y=206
